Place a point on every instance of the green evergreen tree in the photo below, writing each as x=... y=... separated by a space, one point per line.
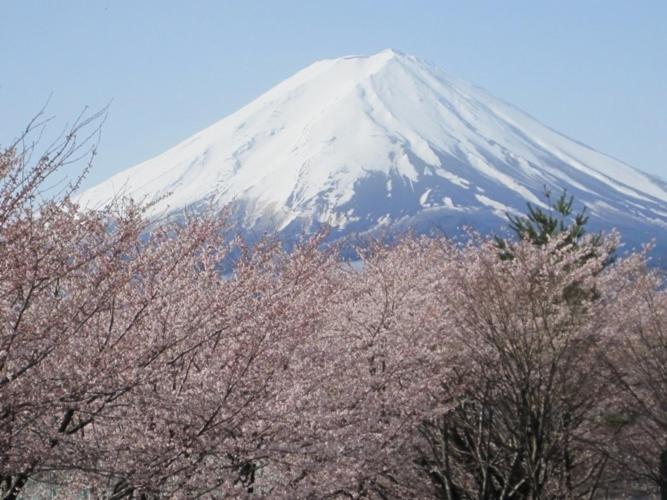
x=539 y=226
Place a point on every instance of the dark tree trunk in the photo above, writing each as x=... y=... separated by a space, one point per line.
x=16 y=488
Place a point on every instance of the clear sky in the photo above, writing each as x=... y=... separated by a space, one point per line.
x=593 y=70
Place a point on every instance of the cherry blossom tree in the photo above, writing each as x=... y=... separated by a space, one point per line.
x=380 y=366
x=638 y=362
x=57 y=271
x=131 y=366
x=221 y=418
x=533 y=394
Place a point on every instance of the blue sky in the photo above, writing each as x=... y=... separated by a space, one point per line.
x=594 y=70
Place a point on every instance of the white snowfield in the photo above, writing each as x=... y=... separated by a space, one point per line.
x=360 y=142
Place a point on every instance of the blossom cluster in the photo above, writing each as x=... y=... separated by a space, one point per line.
x=131 y=366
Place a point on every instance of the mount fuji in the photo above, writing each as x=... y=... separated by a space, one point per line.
x=386 y=141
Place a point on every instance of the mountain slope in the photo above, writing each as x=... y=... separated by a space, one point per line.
x=362 y=142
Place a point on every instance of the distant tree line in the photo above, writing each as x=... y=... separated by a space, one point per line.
x=525 y=368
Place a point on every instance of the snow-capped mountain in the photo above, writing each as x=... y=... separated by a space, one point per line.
x=361 y=143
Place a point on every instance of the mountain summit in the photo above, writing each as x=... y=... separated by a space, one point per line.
x=365 y=142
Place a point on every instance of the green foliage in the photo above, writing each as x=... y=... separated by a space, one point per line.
x=540 y=226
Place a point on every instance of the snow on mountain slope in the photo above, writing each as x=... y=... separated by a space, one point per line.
x=364 y=142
